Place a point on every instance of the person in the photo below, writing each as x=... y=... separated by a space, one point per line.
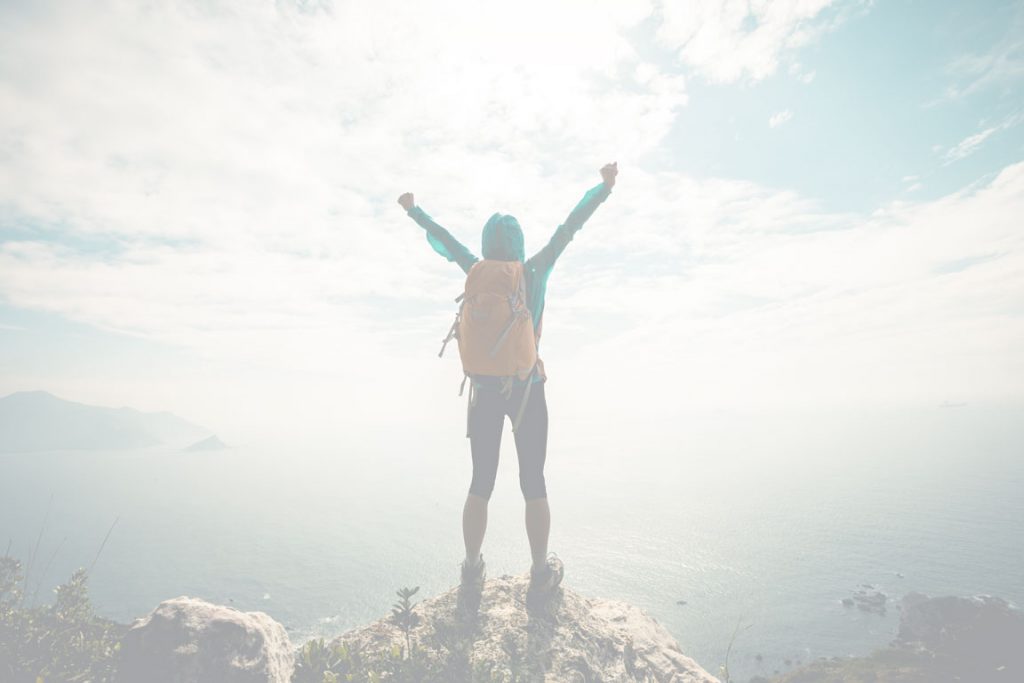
x=489 y=405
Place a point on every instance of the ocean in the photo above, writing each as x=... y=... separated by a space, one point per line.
x=744 y=527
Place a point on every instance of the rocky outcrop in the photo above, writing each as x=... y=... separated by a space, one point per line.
x=975 y=634
x=940 y=640
x=186 y=640
x=867 y=599
x=496 y=635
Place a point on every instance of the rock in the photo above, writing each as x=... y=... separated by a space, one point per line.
x=567 y=638
x=868 y=602
x=980 y=633
x=187 y=640
x=941 y=640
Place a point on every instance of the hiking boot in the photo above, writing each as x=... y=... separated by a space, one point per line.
x=546 y=579
x=473 y=575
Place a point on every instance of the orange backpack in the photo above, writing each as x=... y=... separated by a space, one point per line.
x=493 y=326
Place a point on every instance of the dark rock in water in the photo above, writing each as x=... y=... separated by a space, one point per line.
x=680 y=602
x=211 y=443
x=498 y=635
x=189 y=640
x=981 y=631
x=941 y=640
x=868 y=602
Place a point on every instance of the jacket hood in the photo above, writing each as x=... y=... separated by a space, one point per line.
x=503 y=239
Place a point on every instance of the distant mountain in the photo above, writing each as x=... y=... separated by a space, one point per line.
x=40 y=421
x=210 y=443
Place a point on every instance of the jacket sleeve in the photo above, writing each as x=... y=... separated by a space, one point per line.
x=545 y=259
x=442 y=241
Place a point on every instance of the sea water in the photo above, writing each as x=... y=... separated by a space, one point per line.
x=740 y=527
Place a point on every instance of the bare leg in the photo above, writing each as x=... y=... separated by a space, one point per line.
x=538 y=524
x=474 y=525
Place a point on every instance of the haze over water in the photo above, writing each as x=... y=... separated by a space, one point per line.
x=764 y=521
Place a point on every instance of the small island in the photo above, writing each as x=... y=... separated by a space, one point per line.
x=210 y=443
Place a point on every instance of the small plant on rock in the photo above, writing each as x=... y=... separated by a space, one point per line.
x=403 y=616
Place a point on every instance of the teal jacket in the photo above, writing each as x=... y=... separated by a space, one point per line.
x=503 y=240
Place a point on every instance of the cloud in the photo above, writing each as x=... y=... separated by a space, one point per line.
x=195 y=122
x=972 y=143
x=1000 y=67
x=258 y=151
x=968 y=145
x=913 y=183
x=869 y=312
x=750 y=296
x=797 y=72
x=223 y=181
x=779 y=118
x=730 y=40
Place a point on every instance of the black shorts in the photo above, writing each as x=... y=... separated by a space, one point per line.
x=487 y=413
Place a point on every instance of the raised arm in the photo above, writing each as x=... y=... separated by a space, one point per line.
x=545 y=259
x=440 y=239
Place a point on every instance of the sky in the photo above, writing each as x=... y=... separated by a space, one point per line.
x=818 y=204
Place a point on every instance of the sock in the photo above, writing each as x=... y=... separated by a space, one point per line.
x=474 y=562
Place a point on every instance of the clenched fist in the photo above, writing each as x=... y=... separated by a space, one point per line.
x=406 y=201
x=608 y=173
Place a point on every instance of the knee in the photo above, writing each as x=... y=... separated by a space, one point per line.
x=482 y=486
x=482 y=493
x=533 y=485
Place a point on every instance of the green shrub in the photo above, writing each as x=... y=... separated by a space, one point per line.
x=60 y=643
x=320 y=662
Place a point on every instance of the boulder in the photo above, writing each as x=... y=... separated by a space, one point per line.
x=187 y=640
x=979 y=634
x=496 y=635
x=941 y=640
